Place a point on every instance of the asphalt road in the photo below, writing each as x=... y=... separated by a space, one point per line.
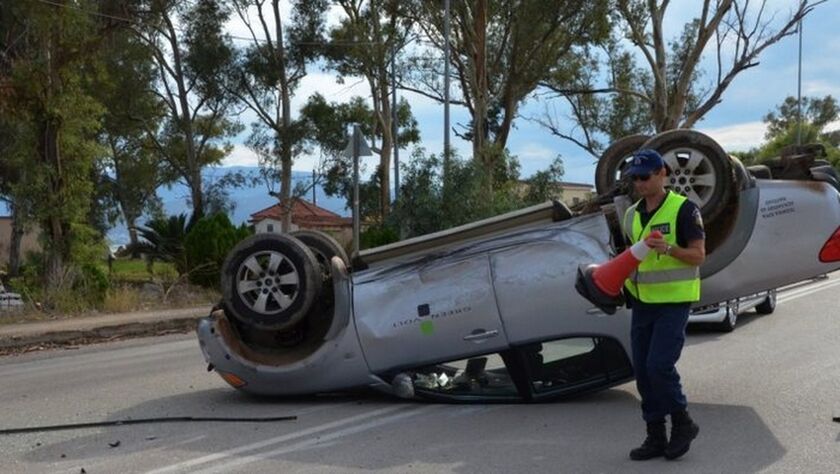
x=764 y=397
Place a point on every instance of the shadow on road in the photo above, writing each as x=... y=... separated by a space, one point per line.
x=588 y=434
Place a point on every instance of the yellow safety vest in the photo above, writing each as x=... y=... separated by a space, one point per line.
x=661 y=278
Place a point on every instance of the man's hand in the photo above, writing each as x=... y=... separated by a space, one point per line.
x=657 y=244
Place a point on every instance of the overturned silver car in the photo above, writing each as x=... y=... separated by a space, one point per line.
x=488 y=311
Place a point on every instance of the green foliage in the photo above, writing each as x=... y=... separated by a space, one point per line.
x=82 y=287
x=429 y=202
x=378 y=235
x=92 y=284
x=810 y=134
x=326 y=124
x=783 y=129
x=193 y=58
x=49 y=73
x=130 y=170
x=164 y=241
x=266 y=73
x=543 y=186
x=137 y=271
x=658 y=84
x=206 y=246
x=816 y=111
x=523 y=42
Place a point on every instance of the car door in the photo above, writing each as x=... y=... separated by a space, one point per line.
x=436 y=309
x=535 y=283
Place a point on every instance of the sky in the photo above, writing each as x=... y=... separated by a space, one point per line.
x=735 y=123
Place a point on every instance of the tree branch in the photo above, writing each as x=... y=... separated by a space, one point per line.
x=437 y=98
x=604 y=90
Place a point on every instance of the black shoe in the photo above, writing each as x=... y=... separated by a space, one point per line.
x=654 y=445
x=683 y=432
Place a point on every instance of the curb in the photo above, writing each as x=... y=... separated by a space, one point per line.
x=105 y=333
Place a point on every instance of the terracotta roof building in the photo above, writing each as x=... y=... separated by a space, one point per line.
x=305 y=215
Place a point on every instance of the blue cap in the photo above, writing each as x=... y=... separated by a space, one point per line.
x=645 y=162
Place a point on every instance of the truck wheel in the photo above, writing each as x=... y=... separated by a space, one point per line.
x=699 y=169
x=269 y=281
x=614 y=160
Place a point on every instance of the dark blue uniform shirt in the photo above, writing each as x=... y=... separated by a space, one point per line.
x=689 y=222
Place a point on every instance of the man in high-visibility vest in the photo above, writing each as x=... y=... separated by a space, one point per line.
x=660 y=293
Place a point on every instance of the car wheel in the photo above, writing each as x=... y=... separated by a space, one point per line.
x=269 y=281
x=324 y=247
x=614 y=160
x=768 y=305
x=699 y=169
x=731 y=320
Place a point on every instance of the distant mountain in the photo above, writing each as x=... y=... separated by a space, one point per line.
x=248 y=200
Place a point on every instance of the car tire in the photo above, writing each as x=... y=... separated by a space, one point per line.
x=768 y=305
x=689 y=153
x=613 y=161
x=731 y=319
x=270 y=281
x=325 y=247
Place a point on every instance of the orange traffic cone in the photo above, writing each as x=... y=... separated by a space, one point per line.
x=601 y=284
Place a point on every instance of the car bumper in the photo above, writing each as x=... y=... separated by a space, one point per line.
x=337 y=364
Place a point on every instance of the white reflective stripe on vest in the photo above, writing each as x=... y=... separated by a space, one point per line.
x=666 y=276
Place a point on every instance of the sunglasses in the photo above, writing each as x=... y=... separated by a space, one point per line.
x=641 y=178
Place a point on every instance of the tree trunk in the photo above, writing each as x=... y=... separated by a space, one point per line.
x=57 y=248
x=386 y=122
x=197 y=195
x=186 y=125
x=15 y=241
x=286 y=121
x=132 y=235
x=507 y=121
x=286 y=170
x=480 y=80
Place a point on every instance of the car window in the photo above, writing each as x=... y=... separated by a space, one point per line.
x=485 y=376
x=575 y=363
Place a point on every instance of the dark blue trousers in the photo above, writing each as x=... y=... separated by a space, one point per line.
x=657 y=335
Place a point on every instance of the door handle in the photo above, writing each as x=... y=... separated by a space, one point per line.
x=482 y=335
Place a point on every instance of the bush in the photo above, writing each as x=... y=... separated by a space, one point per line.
x=91 y=284
x=433 y=199
x=375 y=236
x=121 y=299
x=206 y=246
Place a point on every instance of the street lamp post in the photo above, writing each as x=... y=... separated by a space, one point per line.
x=395 y=128
x=799 y=90
x=356 y=147
x=356 y=220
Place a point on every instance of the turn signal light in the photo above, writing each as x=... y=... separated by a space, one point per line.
x=831 y=250
x=232 y=379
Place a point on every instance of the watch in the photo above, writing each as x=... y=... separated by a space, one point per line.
x=668 y=249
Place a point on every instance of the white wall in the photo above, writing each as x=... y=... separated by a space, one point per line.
x=263 y=226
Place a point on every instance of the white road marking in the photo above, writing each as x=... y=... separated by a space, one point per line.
x=236 y=465
x=276 y=440
x=808 y=290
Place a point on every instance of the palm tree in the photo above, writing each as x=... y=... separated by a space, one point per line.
x=163 y=240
